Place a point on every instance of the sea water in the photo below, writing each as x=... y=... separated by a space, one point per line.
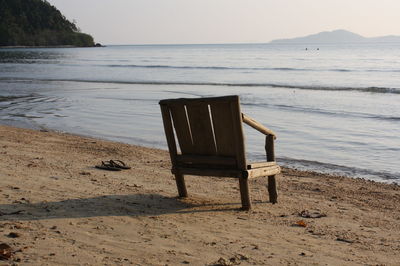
x=335 y=108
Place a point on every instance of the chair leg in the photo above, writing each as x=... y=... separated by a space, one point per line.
x=180 y=183
x=245 y=193
x=273 y=193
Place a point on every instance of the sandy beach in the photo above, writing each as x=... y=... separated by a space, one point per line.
x=57 y=209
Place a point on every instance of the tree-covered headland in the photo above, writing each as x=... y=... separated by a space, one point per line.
x=37 y=23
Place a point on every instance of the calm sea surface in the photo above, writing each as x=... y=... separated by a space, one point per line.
x=335 y=108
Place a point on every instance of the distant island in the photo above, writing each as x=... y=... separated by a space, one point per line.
x=337 y=36
x=38 y=23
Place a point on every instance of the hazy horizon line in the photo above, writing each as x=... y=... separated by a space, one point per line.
x=266 y=42
x=240 y=43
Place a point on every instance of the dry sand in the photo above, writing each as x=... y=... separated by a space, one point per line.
x=57 y=209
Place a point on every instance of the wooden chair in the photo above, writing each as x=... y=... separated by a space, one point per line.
x=210 y=136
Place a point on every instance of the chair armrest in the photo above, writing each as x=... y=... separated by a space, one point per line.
x=257 y=126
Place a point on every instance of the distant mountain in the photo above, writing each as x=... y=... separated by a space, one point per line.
x=37 y=23
x=337 y=36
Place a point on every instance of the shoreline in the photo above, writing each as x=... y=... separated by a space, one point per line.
x=56 y=208
x=317 y=167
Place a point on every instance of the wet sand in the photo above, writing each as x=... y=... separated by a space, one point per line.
x=57 y=209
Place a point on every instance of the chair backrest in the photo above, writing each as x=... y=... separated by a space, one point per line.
x=205 y=127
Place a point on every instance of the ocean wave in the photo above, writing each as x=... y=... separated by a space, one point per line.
x=57 y=62
x=335 y=169
x=271 y=85
x=341 y=70
x=14 y=97
x=332 y=88
x=250 y=68
x=7 y=98
x=251 y=102
x=210 y=67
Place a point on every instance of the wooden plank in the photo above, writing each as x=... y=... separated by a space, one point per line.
x=238 y=135
x=223 y=128
x=182 y=128
x=210 y=160
x=260 y=164
x=207 y=100
x=265 y=171
x=253 y=173
x=208 y=166
x=201 y=128
x=208 y=172
x=257 y=126
x=169 y=133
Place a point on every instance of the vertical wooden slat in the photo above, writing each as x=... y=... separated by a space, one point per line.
x=201 y=128
x=182 y=129
x=169 y=133
x=223 y=128
x=238 y=135
x=270 y=151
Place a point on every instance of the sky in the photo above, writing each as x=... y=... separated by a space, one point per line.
x=226 y=21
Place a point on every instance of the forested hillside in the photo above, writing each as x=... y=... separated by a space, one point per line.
x=37 y=23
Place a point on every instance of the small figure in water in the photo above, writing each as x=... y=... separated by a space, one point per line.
x=317 y=49
x=306 y=48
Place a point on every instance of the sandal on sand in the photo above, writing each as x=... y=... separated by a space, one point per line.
x=119 y=164
x=107 y=166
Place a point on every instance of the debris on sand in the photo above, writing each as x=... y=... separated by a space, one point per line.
x=309 y=214
x=6 y=252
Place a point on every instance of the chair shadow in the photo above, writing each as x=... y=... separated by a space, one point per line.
x=135 y=205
